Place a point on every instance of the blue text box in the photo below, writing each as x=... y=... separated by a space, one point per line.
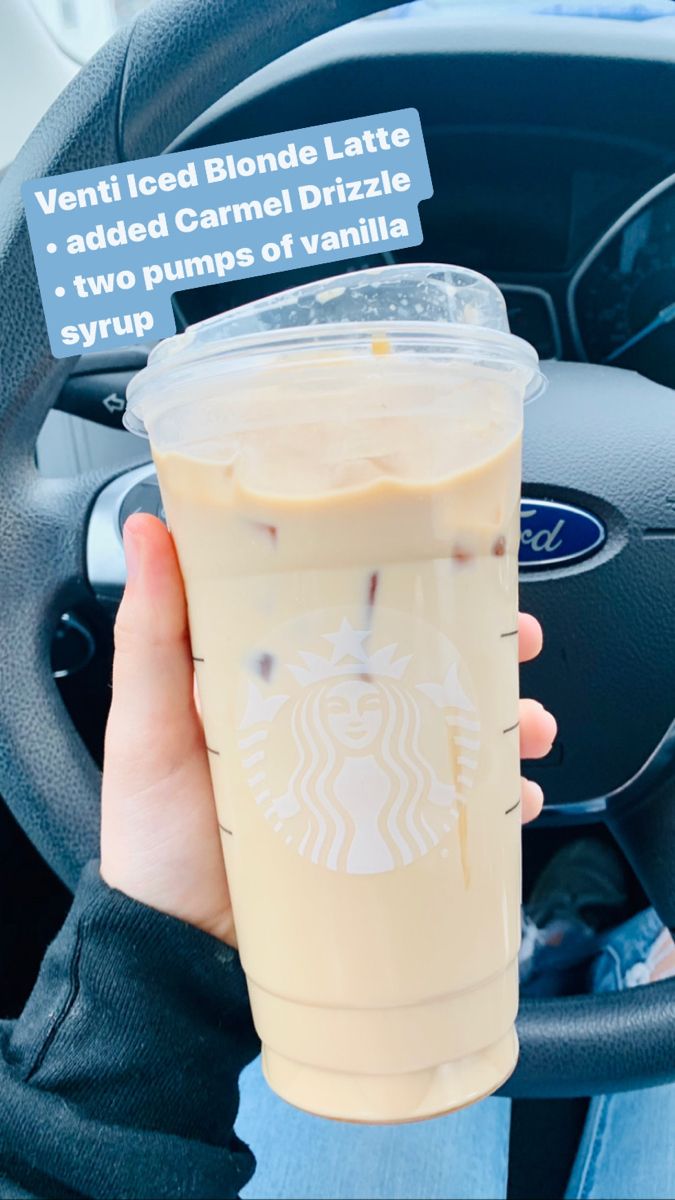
x=112 y=244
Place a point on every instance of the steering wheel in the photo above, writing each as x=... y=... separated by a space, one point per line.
x=131 y=101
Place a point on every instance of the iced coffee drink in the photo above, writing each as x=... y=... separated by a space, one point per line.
x=343 y=493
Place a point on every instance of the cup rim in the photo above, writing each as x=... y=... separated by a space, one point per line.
x=455 y=341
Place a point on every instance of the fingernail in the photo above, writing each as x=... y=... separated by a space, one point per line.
x=536 y=793
x=552 y=725
x=132 y=552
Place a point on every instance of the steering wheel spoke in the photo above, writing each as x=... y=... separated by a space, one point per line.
x=645 y=831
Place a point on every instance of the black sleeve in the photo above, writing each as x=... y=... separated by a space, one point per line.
x=121 y=1076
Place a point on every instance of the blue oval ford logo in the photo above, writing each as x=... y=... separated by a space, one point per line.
x=552 y=533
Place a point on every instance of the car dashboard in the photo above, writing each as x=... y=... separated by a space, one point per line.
x=553 y=168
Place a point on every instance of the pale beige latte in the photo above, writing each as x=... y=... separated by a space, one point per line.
x=349 y=549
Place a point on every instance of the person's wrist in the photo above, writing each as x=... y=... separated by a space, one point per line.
x=154 y=890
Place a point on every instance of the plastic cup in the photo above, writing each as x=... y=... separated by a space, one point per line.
x=340 y=468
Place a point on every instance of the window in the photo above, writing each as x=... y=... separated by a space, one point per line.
x=81 y=26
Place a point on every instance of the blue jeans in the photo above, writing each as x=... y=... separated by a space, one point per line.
x=627 y=1149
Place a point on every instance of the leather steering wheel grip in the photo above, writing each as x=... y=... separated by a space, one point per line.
x=591 y=1045
x=130 y=101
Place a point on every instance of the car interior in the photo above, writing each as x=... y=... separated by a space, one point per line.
x=550 y=132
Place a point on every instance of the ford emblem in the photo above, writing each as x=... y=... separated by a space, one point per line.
x=553 y=533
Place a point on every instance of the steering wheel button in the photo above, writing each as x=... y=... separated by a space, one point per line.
x=144 y=497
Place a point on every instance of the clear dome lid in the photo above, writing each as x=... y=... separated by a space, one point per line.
x=448 y=308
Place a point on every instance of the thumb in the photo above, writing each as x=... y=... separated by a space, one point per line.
x=159 y=827
x=153 y=722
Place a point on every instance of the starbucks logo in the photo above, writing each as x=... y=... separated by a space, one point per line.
x=358 y=752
